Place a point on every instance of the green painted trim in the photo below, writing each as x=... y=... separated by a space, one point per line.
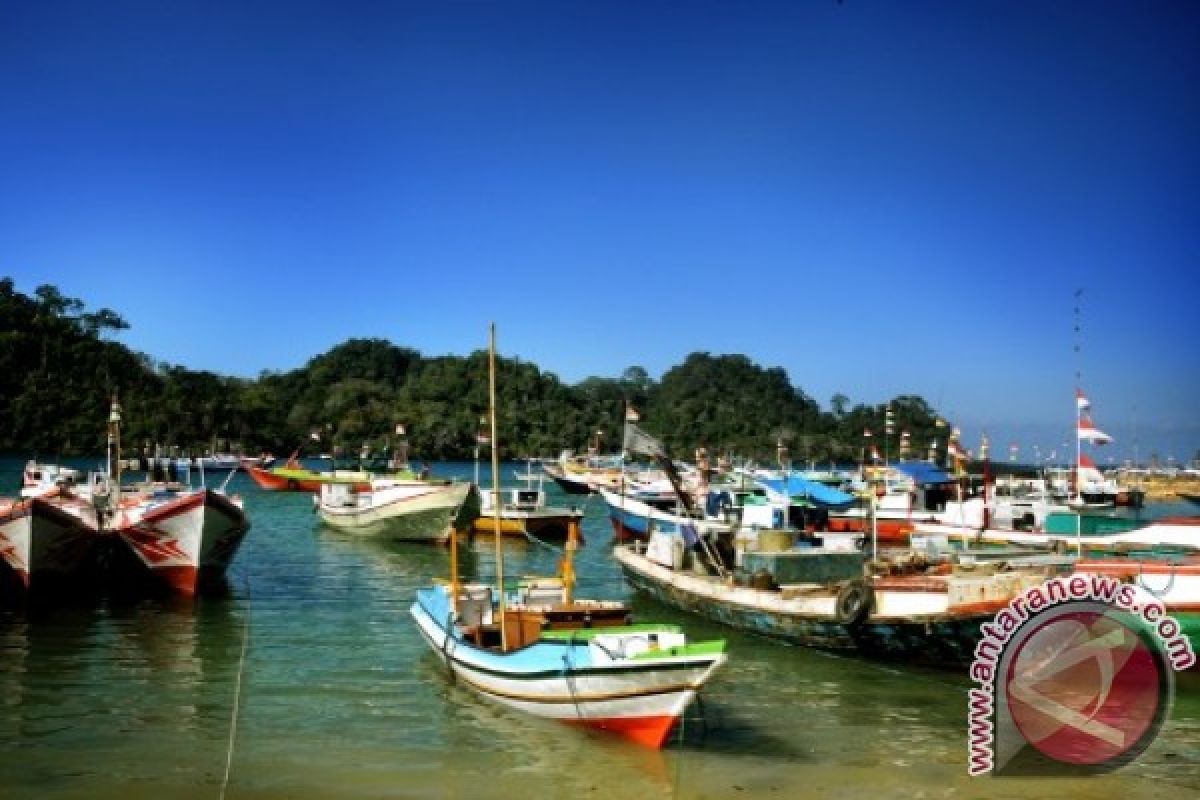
x=694 y=649
x=583 y=634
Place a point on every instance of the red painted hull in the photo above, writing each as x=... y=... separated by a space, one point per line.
x=272 y=482
x=649 y=732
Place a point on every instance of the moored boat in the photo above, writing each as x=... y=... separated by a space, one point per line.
x=523 y=511
x=822 y=598
x=40 y=542
x=175 y=536
x=576 y=662
x=296 y=478
x=421 y=511
x=540 y=650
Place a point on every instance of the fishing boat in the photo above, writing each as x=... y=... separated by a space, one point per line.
x=41 y=543
x=633 y=517
x=294 y=477
x=1173 y=580
x=537 y=648
x=585 y=474
x=175 y=536
x=894 y=499
x=1069 y=530
x=523 y=511
x=825 y=596
x=413 y=511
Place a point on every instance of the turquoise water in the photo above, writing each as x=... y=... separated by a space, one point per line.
x=340 y=698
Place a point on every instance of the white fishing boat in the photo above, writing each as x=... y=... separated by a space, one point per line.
x=416 y=511
x=538 y=649
x=175 y=535
x=523 y=511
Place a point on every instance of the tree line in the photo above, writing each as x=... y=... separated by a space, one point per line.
x=60 y=365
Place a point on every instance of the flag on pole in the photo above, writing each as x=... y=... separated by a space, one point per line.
x=638 y=441
x=1088 y=432
x=1081 y=401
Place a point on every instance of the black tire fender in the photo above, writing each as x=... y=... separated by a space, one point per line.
x=855 y=600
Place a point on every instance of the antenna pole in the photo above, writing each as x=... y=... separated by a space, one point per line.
x=496 y=481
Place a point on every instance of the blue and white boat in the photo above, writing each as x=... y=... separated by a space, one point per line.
x=633 y=680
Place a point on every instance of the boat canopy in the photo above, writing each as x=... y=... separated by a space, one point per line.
x=922 y=472
x=818 y=494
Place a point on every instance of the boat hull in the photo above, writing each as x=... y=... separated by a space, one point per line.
x=284 y=480
x=521 y=524
x=942 y=640
x=186 y=540
x=640 y=701
x=424 y=517
x=40 y=542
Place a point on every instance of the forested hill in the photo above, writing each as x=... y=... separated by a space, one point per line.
x=59 y=365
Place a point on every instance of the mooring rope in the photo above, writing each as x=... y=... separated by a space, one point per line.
x=237 y=695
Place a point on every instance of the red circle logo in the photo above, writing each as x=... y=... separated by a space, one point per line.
x=1086 y=688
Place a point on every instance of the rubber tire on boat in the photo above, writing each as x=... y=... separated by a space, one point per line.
x=854 y=602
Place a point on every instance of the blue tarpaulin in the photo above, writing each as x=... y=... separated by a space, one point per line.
x=923 y=472
x=818 y=494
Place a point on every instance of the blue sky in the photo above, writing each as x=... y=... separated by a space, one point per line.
x=882 y=198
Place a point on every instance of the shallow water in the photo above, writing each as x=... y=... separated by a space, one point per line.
x=339 y=696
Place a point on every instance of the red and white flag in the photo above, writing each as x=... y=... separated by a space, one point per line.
x=1088 y=432
x=1081 y=402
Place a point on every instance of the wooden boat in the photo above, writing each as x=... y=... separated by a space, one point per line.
x=1174 y=581
x=1069 y=531
x=585 y=474
x=414 y=511
x=573 y=661
x=175 y=536
x=540 y=650
x=818 y=597
x=635 y=518
x=40 y=542
x=295 y=478
x=523 y=512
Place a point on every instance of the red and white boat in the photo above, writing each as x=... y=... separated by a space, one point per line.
x=176 y=535
x=40 y=542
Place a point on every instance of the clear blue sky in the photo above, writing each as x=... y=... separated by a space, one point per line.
x=882 y=198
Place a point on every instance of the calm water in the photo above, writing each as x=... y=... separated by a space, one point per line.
x=340 y=698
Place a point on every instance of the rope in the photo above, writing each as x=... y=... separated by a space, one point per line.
x=567 y=665
x=237 y=694
x=446 y=652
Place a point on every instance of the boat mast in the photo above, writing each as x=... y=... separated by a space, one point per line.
x=114 y=440
x=496 y=481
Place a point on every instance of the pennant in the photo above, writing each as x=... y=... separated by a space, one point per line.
x=1088 y=432
x=1081 y=402
x=638 y=441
